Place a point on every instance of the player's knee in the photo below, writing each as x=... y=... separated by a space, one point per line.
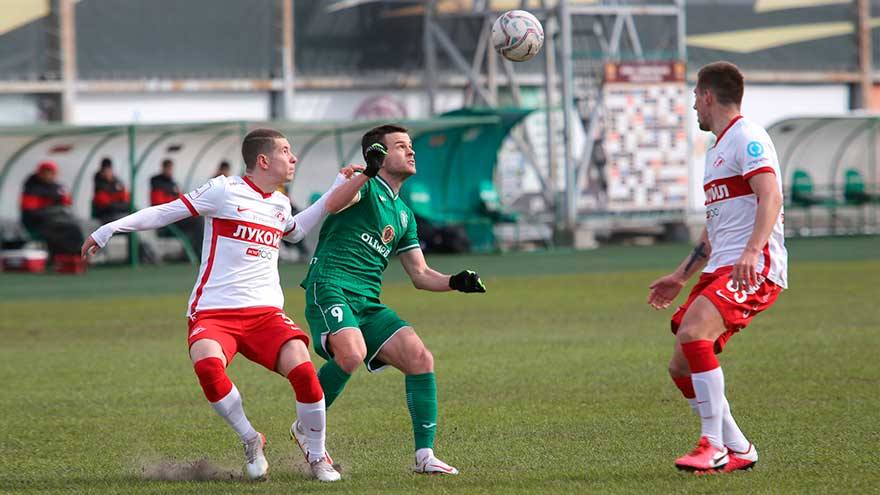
x=422 y=361
x=350 y=360
x=292 y=354
x=678 y=368
x=212 y=377
x=296 y=350
x=689 y=333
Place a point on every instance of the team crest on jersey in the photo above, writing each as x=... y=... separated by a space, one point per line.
x=404 y=219
x=387 y=234
x=278 y=212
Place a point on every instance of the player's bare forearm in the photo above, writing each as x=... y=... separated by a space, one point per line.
x=344 y=195
x=423 y=276
x=769 y=207
x=431 y=280
x=426 y=278
x=696 y=260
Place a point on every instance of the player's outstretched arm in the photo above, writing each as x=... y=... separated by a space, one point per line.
x=426 y=278
x=665 y=289
x=153 y=217
x=305 y=221
x=349 y=194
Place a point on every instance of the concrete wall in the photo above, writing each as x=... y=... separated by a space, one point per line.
x=163 y=108
x=19 y=110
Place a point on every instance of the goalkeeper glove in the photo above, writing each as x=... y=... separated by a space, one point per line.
x=467 y=281
x=374 y=156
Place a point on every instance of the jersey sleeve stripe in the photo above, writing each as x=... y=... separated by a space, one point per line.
x=762 y=170
x=189 y=206
x=408 y=248
x=289 y=231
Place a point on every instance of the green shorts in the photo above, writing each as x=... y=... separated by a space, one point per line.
x=330 y=308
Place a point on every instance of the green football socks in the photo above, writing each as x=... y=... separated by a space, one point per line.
x=421 y=399
x=333 y=380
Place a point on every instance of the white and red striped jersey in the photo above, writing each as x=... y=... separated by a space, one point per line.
x=741 y=151
x=243 y=231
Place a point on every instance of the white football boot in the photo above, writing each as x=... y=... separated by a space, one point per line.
x=321 y=469
x=256 y=465
x=427 y=463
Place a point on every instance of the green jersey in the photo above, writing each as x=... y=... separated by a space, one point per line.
x=354 y=244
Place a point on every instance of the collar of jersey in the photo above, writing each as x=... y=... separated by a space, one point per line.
x=249 y=182
x=729 y=125
x=387 y=187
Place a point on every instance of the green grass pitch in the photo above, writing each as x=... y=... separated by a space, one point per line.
x=552 y=382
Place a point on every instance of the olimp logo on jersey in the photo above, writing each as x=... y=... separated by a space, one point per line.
x=404 y=219
x=375 y=244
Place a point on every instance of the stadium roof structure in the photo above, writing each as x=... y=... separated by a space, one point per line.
x=136 y=39
x=196 y=148
x=22 y=144
x=33 y=135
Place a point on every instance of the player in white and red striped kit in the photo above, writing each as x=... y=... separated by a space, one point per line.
x=743 y=250
x=236 y=304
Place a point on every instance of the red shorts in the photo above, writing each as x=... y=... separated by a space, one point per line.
x=258 y=333
x=737 y=307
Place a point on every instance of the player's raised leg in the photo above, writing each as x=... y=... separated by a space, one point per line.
x=702 y=324
x=406 y=352
x=295 y=364
x=209 y=364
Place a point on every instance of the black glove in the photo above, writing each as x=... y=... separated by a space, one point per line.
x=467 y=281
x=374 y=156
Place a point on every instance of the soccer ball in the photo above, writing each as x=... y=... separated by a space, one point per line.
x=517 y=35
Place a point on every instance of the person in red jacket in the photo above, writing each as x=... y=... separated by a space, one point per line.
x=111 y=199
x=163 y=189
x=45 y=211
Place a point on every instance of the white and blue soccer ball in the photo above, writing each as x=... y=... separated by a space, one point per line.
x=517 y=35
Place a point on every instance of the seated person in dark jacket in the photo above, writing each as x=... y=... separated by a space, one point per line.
x=45 y=211
x=163 y=190
x=111 y=200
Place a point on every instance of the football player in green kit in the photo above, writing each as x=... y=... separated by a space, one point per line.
x=349 y=324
